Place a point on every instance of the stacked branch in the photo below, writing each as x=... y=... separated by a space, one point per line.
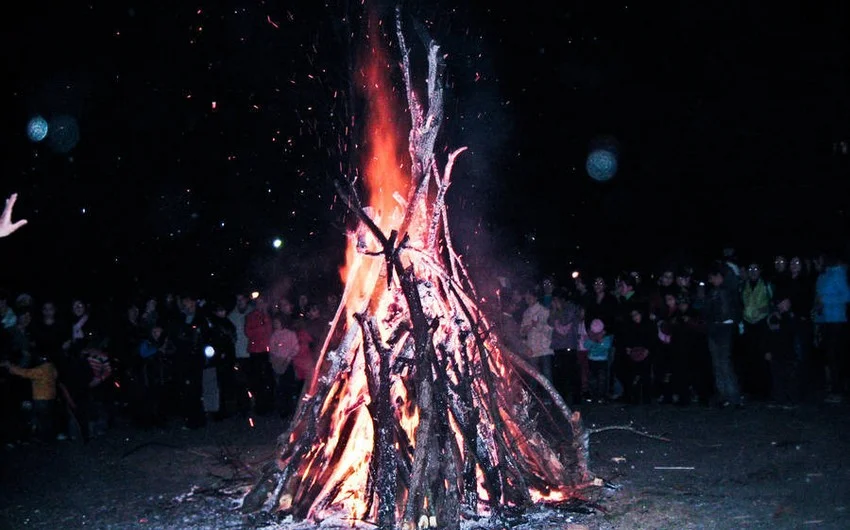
x=417 y=415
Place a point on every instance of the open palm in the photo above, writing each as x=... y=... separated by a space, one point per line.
x=6 y=224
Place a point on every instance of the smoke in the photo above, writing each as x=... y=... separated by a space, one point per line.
x=495 y=265
x=308 y=267
x=480 y=115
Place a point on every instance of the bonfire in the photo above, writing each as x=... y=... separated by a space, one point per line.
x=417 y=414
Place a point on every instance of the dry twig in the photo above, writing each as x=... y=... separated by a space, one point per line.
x=629 y=429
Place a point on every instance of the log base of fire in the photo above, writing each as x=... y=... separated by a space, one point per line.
x=417 y=415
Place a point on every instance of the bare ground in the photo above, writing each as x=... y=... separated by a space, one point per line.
x=760 y=467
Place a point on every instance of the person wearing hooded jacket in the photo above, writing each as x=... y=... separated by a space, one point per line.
x=832 y=297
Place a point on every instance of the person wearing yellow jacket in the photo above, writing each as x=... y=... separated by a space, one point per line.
x=43 y=378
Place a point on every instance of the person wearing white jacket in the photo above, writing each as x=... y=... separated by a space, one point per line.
x=537 y=332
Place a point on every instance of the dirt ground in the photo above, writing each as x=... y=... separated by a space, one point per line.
x=760 y=467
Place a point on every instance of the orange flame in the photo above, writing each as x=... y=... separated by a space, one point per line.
x=385 y=179
x=385 y=176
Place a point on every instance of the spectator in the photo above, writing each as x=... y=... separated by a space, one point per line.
x=43 y=378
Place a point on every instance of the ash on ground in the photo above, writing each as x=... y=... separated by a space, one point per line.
x=760 y=467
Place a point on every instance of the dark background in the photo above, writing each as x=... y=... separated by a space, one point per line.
x=726 y=114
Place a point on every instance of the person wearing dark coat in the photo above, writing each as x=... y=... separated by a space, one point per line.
x=637 y=345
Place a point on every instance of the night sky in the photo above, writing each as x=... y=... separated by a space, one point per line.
x=205 y=133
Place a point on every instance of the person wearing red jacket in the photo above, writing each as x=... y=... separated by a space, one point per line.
x=258 y=330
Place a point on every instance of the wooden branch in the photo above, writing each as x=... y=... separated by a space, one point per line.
x=518 y=492
x=581 y=446
x=489 y=395
x=371 y=352
x=361 y=213
x=467 y=420
x=629 y=429
x=449 y=511
x=532 y=372
x=453 y=259
x=440 y=201
x=422 y=345
x=424 y=129
x=257 y=498
x=445 y=478
x=413 y=101
x=316 y=492
x=557 y=400
x=429 y=129
x=383 y=442
x=436 y=66
x=435 y=268
x=291 y=455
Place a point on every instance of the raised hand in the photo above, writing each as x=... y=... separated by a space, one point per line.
x=6 y=224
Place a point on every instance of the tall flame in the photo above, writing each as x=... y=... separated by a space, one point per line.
x=385 y=174
x=385 y=179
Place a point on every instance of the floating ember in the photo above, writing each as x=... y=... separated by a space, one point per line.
x=417 y=415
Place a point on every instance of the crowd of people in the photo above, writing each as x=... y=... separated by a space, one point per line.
x=70 y=376
x=777 y=333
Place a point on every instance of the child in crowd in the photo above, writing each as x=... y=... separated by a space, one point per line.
x=155 y=354
x=780 y=354
x=43 y=377
x=599 y=347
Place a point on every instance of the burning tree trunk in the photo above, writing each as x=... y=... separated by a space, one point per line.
x=417 y=414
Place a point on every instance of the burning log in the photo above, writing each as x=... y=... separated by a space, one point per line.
x=416 y=411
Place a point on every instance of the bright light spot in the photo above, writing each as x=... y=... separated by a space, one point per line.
x=251 y=422
x=575 y=275
x=209 y=352
x=214 y=105
x=255 y=295
x=601 y=164
x=277 y=243
x=37 y=129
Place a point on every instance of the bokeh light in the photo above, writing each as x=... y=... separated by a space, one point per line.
x=64 y=133
x=37 y=129
x=601 y=165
